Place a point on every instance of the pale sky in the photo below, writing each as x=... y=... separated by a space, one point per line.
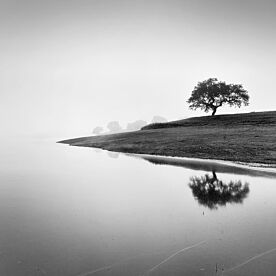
x=68 y=66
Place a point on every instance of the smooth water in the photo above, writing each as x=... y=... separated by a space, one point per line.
x=78 y=211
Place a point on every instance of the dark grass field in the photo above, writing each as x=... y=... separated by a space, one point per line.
x=249 y=137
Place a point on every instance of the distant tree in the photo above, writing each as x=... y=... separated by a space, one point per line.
x=137 y=125
x=158 y=119
x=212 y=94
x=97 y=130
x=114 y=127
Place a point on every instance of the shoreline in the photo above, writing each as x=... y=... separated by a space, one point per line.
x=234 y=139
x=168 y=160
x=253 y=166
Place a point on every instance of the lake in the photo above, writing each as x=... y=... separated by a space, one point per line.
x=81 y=211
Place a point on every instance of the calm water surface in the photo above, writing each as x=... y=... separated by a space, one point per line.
x=75 y=211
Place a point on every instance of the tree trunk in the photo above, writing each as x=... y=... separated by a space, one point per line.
x=214 y=175
x=214 y=111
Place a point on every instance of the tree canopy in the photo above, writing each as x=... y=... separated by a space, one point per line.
x=212 y=94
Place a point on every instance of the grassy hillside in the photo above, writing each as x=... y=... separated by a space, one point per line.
x=249 y=137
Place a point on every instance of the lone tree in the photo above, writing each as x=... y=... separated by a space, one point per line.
x=212 y=94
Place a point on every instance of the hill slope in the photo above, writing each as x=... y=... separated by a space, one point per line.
x=249 y=137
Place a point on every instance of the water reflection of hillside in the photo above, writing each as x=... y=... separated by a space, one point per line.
x=211 y=192
x=208 y=165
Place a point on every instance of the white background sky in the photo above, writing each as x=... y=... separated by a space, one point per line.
x=67 y=66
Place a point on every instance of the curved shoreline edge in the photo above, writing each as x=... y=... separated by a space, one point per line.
x=245 y=140
x=222 y=166
x=260 y=166
x=239 y=164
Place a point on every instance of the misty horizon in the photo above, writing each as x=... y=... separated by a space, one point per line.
x=67 y=66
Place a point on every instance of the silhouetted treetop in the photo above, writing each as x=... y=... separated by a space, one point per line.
x=212 y=94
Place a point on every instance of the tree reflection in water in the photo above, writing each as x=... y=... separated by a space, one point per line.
x=212 y=192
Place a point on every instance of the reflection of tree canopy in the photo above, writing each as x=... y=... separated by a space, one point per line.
x=211 y=192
